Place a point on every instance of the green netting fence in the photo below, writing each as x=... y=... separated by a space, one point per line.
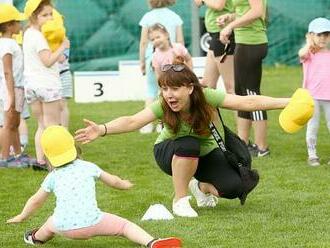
x=103 y=32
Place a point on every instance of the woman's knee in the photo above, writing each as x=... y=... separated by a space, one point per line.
x=187 y=146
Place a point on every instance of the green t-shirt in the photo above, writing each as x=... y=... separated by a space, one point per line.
x=253 y=33
x=214 y=98
x=212 y=14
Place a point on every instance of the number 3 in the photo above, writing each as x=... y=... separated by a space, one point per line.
x=99 y=89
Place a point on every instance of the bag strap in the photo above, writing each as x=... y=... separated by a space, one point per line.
x=222 y=122
x=217 y=137
x=216 y=134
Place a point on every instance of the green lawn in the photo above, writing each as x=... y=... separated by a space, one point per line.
x=289 y=208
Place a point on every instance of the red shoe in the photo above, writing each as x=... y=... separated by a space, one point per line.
x=165 y=243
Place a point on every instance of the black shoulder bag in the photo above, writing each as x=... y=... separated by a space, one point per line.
x=238 y=156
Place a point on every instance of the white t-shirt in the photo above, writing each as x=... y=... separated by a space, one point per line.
x=10 y=46
x=37 y=75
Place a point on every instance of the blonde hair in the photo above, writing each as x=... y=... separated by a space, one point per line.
x=161 y=3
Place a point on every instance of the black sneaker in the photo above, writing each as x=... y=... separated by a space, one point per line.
x=263 y=153
x=29 y=238
x=253 y=149
x=40 y=167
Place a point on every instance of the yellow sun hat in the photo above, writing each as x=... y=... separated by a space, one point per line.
x=58 y=145
x=30 y=7
x=9 y=13
x=298 y=112
x=54 y=31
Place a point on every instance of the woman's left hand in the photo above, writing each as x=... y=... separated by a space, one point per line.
x=89 y=133
x=16 y=219
x=225 y=34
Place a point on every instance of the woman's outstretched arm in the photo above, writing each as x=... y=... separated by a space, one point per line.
x=253 y=102
x=122 y=124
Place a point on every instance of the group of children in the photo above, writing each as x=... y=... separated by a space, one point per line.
x=41 y=77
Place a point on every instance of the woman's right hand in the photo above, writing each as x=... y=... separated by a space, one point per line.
x=89 y=133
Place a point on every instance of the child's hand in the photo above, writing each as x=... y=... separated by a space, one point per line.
x=313 y=48
x=126 y=184
x=16 y=219
x=66 y=43
x=143 y=68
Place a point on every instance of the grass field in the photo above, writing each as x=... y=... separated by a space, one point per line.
x=289 y=208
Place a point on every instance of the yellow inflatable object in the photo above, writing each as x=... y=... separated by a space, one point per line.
x=54 y=31
x=298 y=112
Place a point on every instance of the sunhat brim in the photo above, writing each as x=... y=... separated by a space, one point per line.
x=64 y=158
x=287 y=124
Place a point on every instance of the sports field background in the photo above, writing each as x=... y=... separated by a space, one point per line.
x=289 y=208
x=103 y=32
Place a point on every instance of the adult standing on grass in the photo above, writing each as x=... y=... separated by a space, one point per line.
x=185 y=148
x=249 y=24
x=159 y=13
x=217 y=65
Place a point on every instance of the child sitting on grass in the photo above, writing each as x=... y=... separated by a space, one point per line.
x=76 y=215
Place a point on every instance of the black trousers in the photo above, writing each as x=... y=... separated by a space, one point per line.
x=248 y=72
x=212 y=168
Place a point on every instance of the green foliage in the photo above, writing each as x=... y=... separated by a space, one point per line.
x=289 y=208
